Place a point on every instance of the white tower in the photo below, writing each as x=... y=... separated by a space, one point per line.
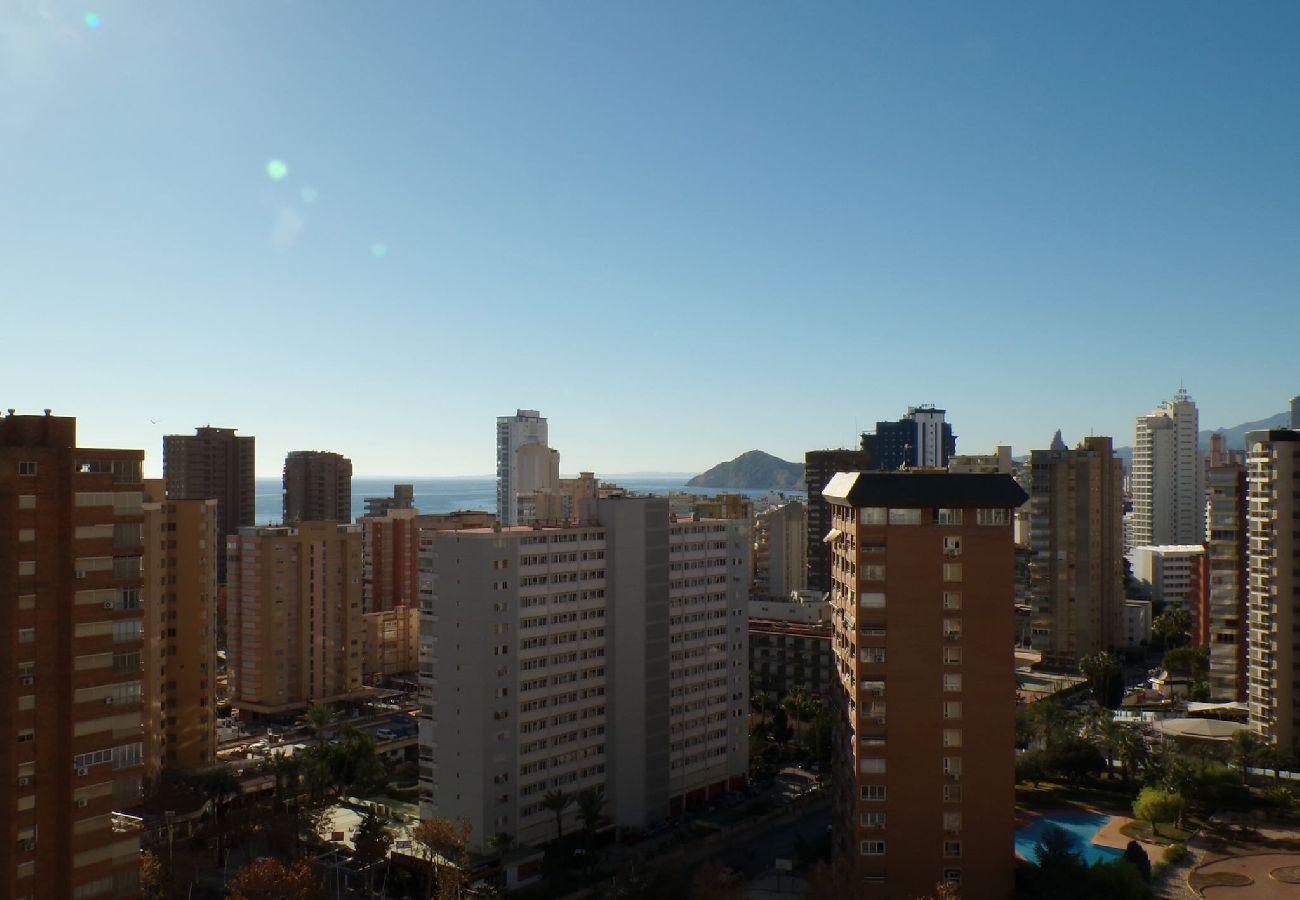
x=1168 y=478
x=526 y=426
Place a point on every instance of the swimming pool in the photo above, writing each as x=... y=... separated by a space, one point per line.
x=1084 y=826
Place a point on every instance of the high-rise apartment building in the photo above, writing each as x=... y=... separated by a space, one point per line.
x=180 y=630
x=403 y=498
x=920 y=439
x=1168 y=479
x=391 y=552
x=610 y=655
x=819 y=468
x=1225 y=608
x=1273 y=558
x=294 y=626
x=923 y=581
x=1076 y=566
x=71 y=542
x=317 y=487
x=525 y=427
x=214 y=463
x=790 y=645
x=1171 y=573
x=781 y=550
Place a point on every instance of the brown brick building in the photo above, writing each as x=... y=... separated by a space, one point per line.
x=922 y=589
x=71 y=534
x=317 y=487
x=214 y=463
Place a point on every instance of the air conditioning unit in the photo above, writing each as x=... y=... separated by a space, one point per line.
x=83 y=771
x=108 y=604
x=82 y=803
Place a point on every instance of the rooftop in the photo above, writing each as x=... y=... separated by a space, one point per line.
x=925 y=488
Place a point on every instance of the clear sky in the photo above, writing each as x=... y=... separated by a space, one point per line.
x=679 y=229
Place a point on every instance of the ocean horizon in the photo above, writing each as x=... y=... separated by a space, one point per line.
x=450 y=493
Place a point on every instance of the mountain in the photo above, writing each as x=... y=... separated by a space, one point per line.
x=754 y=469
x=1235 y=435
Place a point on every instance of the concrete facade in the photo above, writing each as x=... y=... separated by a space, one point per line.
x=180 y=607
x=781 y=550
x=1076 y=568
x=317 y=487
x=525 y=427
x=1168 y=478
x=1169 y=572
x=924 y=764
x=1225 y=612
x=71 y=549
x=294 y=621
x=214 y=463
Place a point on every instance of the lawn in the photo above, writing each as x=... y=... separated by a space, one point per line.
x=1047 y=795
x=1165 y=832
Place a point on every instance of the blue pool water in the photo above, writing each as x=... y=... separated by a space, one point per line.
x=1082 y=825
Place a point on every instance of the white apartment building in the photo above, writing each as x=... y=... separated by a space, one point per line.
x=1170 y=572
x=1137 y=622
x=608 y=656
x=525 y=427
x=781 y=550
x=1168 y=478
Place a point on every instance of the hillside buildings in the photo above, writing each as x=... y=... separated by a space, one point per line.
x=1272 y=514
x=180 y=631
x=923 y=580
x=213 y=463
x=610 y=655
x=71 y=550
x=1225 y=614
x=1076 y=567
x=1168 y=481
x=295 y=631
x=781 y=550
x=526 y=427
x=317 y=487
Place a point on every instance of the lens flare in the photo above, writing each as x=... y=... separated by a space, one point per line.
x=92 y=20
x=378 y=250
x=276 y=169
x=308 y=195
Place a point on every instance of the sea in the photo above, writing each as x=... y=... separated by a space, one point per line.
x=450 y=494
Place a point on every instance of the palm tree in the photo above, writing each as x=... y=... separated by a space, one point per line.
x=557 y=801
x=218 y=786
x=591 y=802
x=318 y=719
x=1132 y=748
x=1245 y=748
x=759 y=700
x=798 y=704
x=1102 y=728
x=502 y=841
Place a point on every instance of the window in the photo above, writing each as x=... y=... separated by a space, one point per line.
x=26 y=736
x=952 y=629
x=873 y=848
x=952 y=709
x=26 y=468
x=26 y=534
x=873 y=820
x=952 y=822
x=952 y=767
x=26 y=501
x=952 y=737
x=951 y=545
x=872 y=599
x=952 y=793
x=873 y=515
x=952 y=571
x=948 y=516
x=873 y=655
x=952 y=657
x=904 y=517
x=873 y=792
x=952 y=876
x=952 y=600
x=873 y=573
x=993 y=517
x=872 y=765
x=126 y=756
x=952 y=680
x=26 y=635
x=27 y=567
x=952 y=849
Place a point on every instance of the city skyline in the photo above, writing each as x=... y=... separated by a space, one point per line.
x=1074 y=204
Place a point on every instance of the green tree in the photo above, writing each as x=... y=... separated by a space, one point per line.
x=1172 y=627
x=800 y=707
x=557 y=801
x=444 y=847
x=591 y=805
x=502 y=841
x=1245 y=748
x=318 y=720
x=219 y=786
x=1132 y=749
x=155 y=880
x=371 y=842
x=1105 y=677
x=1192 y=663
x=1138 y=857
x=1048 y=721
x=781 y=730
x=1154 y=805
x=1106 y=733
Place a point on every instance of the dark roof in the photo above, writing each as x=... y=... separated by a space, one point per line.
x=925 y=489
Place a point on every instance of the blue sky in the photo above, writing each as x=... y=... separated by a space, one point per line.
x=681 y=230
